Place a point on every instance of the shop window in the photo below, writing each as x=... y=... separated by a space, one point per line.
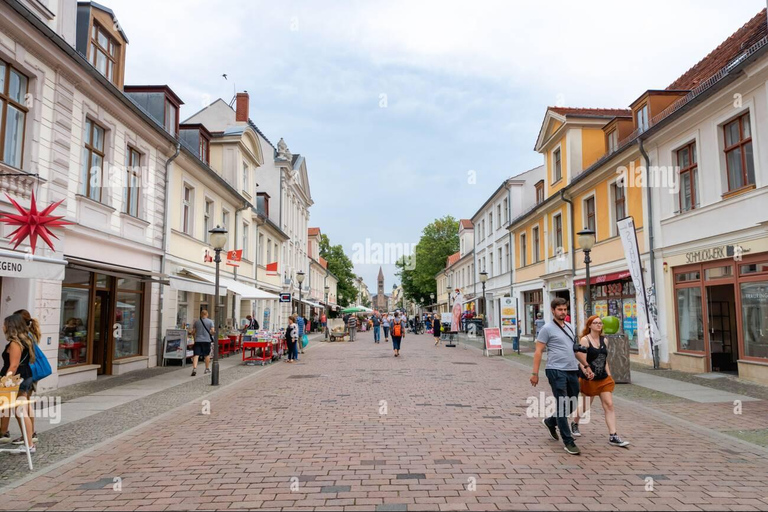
x=690 y=321
x=754 y=314
x=93 y=160
x=182 y=310
x=128 y=318
x=13 y=114
x=617 y=299
x=739 y=161
x=753 y=268
x=718 y=272
x=687 y=277
x=73 y=338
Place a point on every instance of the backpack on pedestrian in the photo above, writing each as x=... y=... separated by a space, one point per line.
x=397 y=329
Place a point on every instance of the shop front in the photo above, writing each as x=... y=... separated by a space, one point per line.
x=103 y=319
x=614 y=295
x=721 y=312
x=533 y=304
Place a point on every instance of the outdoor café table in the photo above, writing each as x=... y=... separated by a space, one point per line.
x=7 y=405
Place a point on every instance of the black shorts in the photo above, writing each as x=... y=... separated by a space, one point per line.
x=202 y=348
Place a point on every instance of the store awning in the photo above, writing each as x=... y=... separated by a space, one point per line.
x=247 y=291
x=200 y=282
x=27 y=265
x=312 y=304
x=117 y=270
x=616 y=276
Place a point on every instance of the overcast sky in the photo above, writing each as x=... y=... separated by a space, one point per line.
x=394 y=102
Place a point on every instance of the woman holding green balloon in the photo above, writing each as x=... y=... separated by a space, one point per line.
x=601 y=384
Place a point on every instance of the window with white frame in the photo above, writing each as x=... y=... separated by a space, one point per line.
x=557 y=166
x=501 y=262
x=739 y=160
x=506 y=257
x=207 y=220
x=133 y=182
x=245 y=176
x=557 y=230
x=246 y=229
x=490 y=222
x=269 y=248
x=589 y=213
x=619 y=201
x=506 y=210
x=523 y=250
x=490 y=260
x=498 y=214
x=642 y=118
x=535 y=244
x=13 y=114
x=225 y=225
x=93 y=160
x=613 y=140
x=686 y=162
x=187 y=210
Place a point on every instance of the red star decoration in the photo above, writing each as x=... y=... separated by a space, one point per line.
x=33 y=223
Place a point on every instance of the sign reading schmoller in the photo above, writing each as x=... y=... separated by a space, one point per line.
x=715 y=253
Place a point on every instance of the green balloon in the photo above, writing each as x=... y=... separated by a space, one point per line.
x=610 y=325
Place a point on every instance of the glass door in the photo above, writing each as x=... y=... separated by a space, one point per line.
x=721 y=328
x=102 y=334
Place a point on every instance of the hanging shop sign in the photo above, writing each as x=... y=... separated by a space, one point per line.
x=234 y=257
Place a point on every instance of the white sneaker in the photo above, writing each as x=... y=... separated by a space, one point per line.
x=21 y=450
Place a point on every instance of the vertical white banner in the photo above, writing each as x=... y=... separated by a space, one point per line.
x=648 y=337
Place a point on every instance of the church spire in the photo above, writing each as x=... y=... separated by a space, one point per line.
x=381 y=275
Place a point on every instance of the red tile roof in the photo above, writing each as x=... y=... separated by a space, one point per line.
x=313 y=231
x=466 y=223
x=453 y=258
x=754 y=30
x=592 y=112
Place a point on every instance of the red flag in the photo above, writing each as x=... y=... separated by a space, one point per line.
x=272 y=269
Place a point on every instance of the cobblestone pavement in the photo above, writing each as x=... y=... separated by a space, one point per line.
x=72 y=438
x=354 y=428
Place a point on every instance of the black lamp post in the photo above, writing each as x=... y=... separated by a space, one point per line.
x=586 y=242
x=432 y=299
x=327 y=289
x=300 y=280
x=483 y=279
x=218 y=240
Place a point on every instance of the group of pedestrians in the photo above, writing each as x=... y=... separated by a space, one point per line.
x=396 y=326
x=23 y=334
x=575 y=366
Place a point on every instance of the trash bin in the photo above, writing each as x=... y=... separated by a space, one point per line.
x=618 y=358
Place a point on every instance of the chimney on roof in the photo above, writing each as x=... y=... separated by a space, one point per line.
x=241 y=107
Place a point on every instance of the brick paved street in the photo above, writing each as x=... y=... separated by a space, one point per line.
x=312 y=436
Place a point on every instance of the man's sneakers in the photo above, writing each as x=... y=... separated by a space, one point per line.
x=615 y=440
x=575 y=429
x=194 y=372
x=572 y=449
x=5 y=438
x=207 y=370
x=22 y=450
x=551 y=429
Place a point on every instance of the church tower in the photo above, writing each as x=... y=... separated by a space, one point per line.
x=381 y=299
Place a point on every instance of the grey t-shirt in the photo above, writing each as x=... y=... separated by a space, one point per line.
x=203 y=328
x=560 y=354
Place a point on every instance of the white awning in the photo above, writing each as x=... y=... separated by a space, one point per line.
x=204 y=283
x=312 y=304
x=27 y=265
x=247 y=291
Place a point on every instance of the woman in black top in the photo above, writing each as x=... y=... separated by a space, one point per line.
x=601 y=383
x=19 y=353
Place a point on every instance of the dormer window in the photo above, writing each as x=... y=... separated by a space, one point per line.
x=104 y=52
x=642 y=118
x=205 y=148
x=540 y=192
x=613 y=140
x=161 y=103
x=171 y=117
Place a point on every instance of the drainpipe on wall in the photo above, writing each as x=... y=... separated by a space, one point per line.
x=573 y=253
x=245 y=206
x=165 y=251
x=651 y=250
x=509 y=232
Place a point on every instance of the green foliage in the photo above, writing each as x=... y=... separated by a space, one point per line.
x=341 y=266
x=439 y=240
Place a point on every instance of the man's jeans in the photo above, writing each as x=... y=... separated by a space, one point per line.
x=376 y=333
x=565 y=387
x=352 y=333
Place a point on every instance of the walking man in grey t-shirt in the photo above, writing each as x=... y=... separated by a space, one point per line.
x=562 y=371
x=203 y=333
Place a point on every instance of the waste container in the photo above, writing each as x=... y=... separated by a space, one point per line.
x=618 y=358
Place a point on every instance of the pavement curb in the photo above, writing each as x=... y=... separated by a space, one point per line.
x=97 y=446
x=669 y=419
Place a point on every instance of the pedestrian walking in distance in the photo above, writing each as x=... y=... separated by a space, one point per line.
x=436 y=329
x=292 y=339
x=562 y=372
x=601 y=384
x=385 y=324
x=398 y=333
x=376 y=321
x=202 y=331
x=352 y=324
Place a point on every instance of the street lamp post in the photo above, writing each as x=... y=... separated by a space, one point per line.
x=586 y=242
x=327 y=289
x=483 y=279
x=300 y=280
x=218 y=240
x=432 y=299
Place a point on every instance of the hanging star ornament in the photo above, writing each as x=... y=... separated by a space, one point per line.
x=33 y=223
